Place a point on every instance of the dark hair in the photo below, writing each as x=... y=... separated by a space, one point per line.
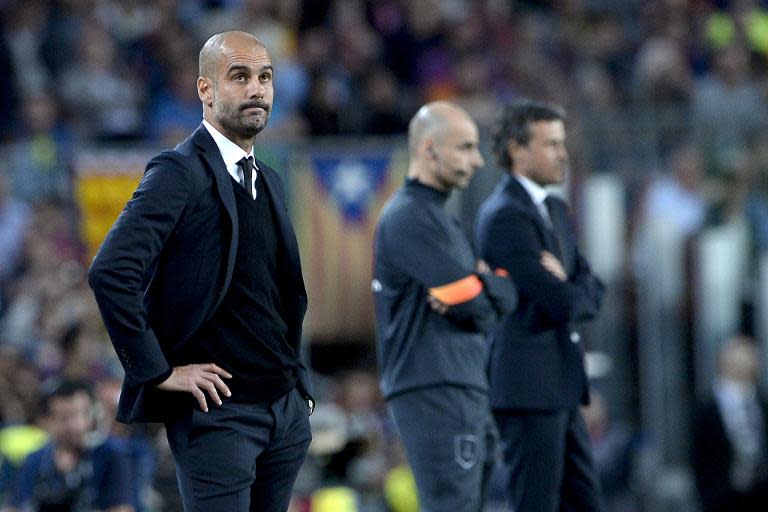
x=514 y=123
x=65 y=388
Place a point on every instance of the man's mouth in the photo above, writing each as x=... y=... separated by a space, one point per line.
x=255 y=106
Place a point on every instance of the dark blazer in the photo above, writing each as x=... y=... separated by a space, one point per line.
x=536 y=358
x=712 y=457
x=166 y=265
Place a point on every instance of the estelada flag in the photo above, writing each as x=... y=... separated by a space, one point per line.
x=337 y=197
x=104 y=182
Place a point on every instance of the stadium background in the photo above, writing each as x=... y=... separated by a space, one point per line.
x=667 y=103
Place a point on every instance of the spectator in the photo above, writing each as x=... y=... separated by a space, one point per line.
x=727 y=107
x=26 y=35
x=102 y=96
x=756 y=202
x=17 y=441
x=175 y=110
x=677 y=197
x=39 y=160
x=14 y=221
x=19 y=387
x=70 y=473
x=383 y=105
x=135 y=441
x=730 y=445
x=613 y=444
x=663 y=74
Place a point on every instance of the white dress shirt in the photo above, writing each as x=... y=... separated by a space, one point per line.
x=231 y=153
x=538 y=195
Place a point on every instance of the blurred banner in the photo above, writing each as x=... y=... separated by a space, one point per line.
x=104 y=182
x=337 y=197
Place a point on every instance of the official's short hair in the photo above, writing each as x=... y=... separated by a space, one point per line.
x=514 y=123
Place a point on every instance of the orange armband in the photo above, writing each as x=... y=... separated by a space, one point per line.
x=458 y=292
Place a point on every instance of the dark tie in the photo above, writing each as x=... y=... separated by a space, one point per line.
x=554 y=227
x=543 y=208
x=246 y=165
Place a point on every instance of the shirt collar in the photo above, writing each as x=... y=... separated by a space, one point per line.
x=231 y=153
x=537 y=192
x=425 y=191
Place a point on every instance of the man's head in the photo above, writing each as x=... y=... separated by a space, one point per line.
x=687 y=166
x=740 y=361
x=529 y=140
x=443 y=143
x=68 y=410
x=235 y=85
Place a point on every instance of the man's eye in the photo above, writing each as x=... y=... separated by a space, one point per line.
x=239 y=76
x=266 y=77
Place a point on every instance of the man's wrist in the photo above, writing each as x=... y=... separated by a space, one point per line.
x=161 y=378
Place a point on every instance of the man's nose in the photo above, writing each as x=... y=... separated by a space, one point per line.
x=256 y=90
x=479 y=161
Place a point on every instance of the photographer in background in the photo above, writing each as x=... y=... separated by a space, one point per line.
x=74 y=472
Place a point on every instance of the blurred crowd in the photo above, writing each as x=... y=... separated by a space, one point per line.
x=670 y=95
x=117 y=70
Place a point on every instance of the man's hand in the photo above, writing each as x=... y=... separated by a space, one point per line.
x=553 y=265
x=435 y=304
x=194 y=378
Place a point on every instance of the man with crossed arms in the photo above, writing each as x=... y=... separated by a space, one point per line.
x=434 y=302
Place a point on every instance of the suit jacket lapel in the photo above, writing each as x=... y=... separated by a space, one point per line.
x=519 y=194
x=288 y=238
x=212 y=156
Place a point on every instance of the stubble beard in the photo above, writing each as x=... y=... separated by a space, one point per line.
x=231 y=118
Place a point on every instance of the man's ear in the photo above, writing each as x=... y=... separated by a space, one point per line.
x=428 y=146
x=205 y=90
x=515 y=150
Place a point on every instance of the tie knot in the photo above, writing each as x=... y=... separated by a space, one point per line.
x=246 y=162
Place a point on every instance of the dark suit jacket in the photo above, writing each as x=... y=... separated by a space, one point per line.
x=712 y=458
x=536 y=358
x=166 y=265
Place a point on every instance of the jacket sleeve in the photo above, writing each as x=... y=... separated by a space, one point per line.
x=422 y=251
x=589 y=291
x=509 y=239
x=121 y=268
x=587 y=285
x=501 y=291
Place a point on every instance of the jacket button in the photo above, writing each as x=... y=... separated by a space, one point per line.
x=575 y=337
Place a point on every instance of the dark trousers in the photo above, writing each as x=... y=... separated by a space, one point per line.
x=549 y=461
x=240 y=457
x=449 y=439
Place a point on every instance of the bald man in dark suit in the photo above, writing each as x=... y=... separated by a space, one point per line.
x=200 y=287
